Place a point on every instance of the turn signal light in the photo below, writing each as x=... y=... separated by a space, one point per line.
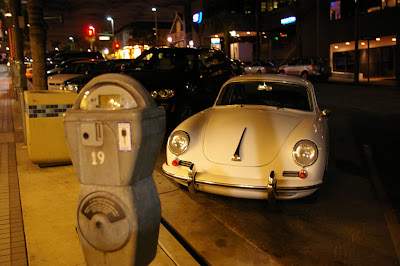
x=175 y=162
x=303 y=174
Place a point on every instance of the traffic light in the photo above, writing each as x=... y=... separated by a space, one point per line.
x=91 y=31
x=116 y=45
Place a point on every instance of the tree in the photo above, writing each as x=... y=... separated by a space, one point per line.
x=37 y=35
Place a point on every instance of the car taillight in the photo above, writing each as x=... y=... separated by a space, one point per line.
x=313 y=67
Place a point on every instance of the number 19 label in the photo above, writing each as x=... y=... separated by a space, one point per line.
x=98 y=158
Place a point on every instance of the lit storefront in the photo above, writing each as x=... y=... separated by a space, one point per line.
x=376 y=57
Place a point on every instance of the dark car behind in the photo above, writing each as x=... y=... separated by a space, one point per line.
x=63 y=56
x=182 y=80
x=109 y=66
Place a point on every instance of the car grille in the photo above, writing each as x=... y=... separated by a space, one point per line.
x=290 y=173
x=185 y=163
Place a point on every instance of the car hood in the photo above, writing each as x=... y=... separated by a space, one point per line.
x=264 y=132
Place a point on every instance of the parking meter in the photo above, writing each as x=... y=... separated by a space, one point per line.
x=114 y=133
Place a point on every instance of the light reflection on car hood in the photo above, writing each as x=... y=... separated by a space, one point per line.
x=266 y=132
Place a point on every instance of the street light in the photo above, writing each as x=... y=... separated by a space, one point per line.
x=72 y=40
x=112 y=26
x=155 y=19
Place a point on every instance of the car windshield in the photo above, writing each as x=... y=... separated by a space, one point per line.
x=281 y=95
x=168 y=60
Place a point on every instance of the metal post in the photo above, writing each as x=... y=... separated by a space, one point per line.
x=356 y=50
x=155 y=20
x=368 y=59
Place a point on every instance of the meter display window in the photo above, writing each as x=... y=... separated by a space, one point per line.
x=108 y=96
x=110 y=100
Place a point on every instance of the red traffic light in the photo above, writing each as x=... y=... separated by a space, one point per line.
x=116 y=45
x=90 y=31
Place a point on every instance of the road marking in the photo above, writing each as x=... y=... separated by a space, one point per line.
x=390 y=215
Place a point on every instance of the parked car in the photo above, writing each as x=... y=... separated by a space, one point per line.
x=238 y=66
x=110 y=66
x=182 y=80
x=63 y=56
x=307 y=68
x=62 y=65
x=75 y=69
x=264 y=138
x=260 y=68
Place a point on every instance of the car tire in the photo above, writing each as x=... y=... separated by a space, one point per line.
x=258 y=71
x=281 y=72
x=304 y=75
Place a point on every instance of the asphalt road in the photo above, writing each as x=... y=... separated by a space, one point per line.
x=346 y=222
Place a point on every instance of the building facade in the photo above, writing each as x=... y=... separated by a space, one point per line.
x=343 y=31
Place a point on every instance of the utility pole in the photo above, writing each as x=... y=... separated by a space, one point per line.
x=356 y=50
x=37 y=35
x=258 y=13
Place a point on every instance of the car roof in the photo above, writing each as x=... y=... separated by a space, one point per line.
x=88 y=61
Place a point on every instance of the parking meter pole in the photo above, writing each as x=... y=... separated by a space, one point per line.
x=114 y=133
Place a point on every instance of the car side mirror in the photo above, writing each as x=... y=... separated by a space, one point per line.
x=326 y=113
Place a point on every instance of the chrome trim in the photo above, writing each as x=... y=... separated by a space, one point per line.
x=271 y=189
x=261 y=188
x=290 y=173
x=191 y=179
x=185 y=163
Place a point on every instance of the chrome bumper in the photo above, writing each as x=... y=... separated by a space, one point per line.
x=272 y=189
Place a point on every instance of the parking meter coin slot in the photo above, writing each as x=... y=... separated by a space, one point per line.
x=104 y=221
x=91 y=134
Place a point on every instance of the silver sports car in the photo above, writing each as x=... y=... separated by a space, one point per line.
x=264 y=138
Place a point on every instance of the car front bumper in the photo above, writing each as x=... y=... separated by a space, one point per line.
x=196 y=181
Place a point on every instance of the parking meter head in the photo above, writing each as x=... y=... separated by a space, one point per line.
x=113 y=92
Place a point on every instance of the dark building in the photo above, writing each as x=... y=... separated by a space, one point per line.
x=283 y=29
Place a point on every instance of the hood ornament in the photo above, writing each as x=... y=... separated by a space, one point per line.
x=236 y=155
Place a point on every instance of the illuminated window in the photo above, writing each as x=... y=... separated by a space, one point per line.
x=335 y=10
x=263 y=6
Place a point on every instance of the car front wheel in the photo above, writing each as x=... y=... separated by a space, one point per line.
x=304 y=75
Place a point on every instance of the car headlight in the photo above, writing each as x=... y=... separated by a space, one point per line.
x=162 y=94
x=69 y=87
x=178 y=142
x=305 y=152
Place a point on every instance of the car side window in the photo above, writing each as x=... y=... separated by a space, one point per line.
x=145 y=62
x=209 y=59
x=70 y=69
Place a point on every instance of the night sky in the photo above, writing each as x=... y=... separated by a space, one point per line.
x=79 y=15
